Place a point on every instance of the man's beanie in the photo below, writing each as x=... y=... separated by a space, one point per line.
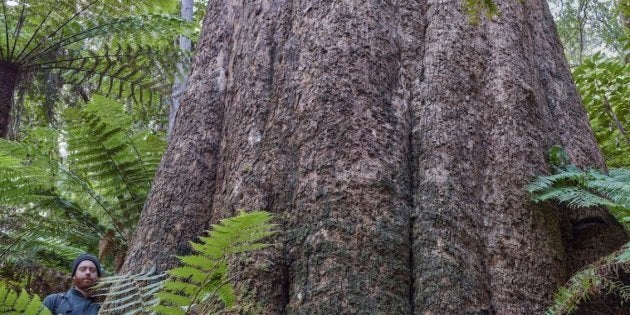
x=84 y=257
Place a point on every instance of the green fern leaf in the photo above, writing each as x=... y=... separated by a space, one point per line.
x=204 y=279
x=174 y=310
x=97 y=192
x=13 y=303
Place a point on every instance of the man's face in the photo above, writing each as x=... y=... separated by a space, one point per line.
x=86 y=275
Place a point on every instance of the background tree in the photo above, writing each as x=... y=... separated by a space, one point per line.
x=596 y=38
x=588 y=26
x=183 y=67
x=604 y=84
x=395 y=140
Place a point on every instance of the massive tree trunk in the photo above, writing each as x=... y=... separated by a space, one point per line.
x=8 y=80
x=393 y=140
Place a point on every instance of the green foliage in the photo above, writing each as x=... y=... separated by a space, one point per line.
x=65 y=204
x=204 y=279
x=582 y=189
x=604 y=84
x=202 y=285
x=475 y=9
x=596 y=39
x=14 y=303
x=558 y=157
x=123 y=49
x=588 y=26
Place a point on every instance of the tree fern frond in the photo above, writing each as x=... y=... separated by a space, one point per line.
x=97 y=191
x=204 y=278
x=569 y=173
x=117 y=48
x=597 y=279
x=119 y=163
x=38 y=248
x=582 y=189
x=129 y=294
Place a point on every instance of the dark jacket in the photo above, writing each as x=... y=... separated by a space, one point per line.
x=71 y=302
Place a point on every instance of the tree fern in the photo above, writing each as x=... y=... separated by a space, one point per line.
x=202 y=284
x=600 y=278
x=582 y=189
x=93 y=43
x=12 y=302
x=89 y=199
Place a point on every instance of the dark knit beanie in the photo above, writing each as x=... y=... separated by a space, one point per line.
x=84 y=257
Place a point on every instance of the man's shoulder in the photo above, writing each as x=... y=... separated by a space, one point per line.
x=52 y=301
x=54 y=296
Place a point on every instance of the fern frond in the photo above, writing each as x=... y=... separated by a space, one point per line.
x=119 y=162
x=597 y=279
x=583 y=189
x=96 y=193
x=569 y=173
x=204 y=278
x=15 y=303
x=129 y=294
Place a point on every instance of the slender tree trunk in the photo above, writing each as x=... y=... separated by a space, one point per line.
x=8 y=80
x=393 y=140
x=185 y=44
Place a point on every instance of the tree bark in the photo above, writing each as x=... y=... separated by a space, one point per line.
x=8 y=79
x=393 y=141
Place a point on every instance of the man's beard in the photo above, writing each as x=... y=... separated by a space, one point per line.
x=85 y=283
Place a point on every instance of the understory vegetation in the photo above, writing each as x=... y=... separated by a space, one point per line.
x=578 y=188
x=86 y=129
x=201 y=285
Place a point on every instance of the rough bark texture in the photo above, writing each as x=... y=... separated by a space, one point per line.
x=8 y=80
x=393 y=140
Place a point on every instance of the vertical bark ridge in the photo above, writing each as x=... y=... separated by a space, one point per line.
x=348 y=230
x=449 y=155
x=256 y=163
x=248 y=108
x=410 y=38
x=525 y=252
x=8 y=81
x=194 y=149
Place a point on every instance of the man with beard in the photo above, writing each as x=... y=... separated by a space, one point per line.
x=86 y=270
